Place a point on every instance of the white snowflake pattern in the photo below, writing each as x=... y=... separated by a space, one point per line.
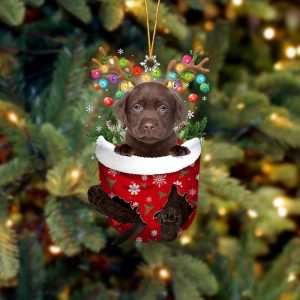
x=134 y=204
x=111 y=195
x=177 y=182
x=154 y=233
x=190 y=114
x=192 y=192
x=204 y=98
x=134 y=189
x=155 y=64
x=202 y=139
x=139 y=239
x=112 y=172
x=149 y=199
x=120 y=51
x=144 y=177
x=99 y=128
x=186 y=84
x=197 y=177
x=159 y=180
x=89 y=109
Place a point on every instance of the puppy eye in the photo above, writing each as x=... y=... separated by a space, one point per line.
x=138 y=107
x=163 y=108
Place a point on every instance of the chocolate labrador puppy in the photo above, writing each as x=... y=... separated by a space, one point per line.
x=149 y=112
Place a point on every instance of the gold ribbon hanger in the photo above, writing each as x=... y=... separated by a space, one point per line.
x=151 y=43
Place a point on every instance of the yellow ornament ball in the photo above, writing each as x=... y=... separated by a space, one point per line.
x=170 y=84
x=179 y=68
x=146 y=77
x=104 y=69
x=124 y=86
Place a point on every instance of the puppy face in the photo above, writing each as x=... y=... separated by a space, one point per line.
x=149 y=112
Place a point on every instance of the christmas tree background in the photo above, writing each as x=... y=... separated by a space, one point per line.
x=245 y=241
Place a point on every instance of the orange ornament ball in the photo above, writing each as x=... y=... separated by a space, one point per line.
x=181 y=90
x=97 y=86
x=108 y=101
x=193 y=98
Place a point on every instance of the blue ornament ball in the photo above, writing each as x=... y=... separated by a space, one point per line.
x=204 y=87
x=200 y=78
x=172 y=76
x=103 y=83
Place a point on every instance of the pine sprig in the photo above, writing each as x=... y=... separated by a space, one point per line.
x=9 y=253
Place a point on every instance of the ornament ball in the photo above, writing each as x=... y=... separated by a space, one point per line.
x=113 y=78
x=137 y=70
x=123 y=62
x=200 y=78
x=95 y=74
x=181 y=90
x=103 y=83
x=119 y=94
x=187 y=59
x=108 y=101
x=97 y=86
x=172 y=76
x=193 y=98
x=204 y=87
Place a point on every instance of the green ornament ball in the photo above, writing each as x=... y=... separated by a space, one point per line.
x=156 y=73
x=123 y=62
x=188 y=76
x=204 y=87
x=119 y=94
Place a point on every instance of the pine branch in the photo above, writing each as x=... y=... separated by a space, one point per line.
x=112 y=14
x=222 y=153
x=9 y=262
x=35 y=3
x=77 y=8
x=31 y=275
x=57 y=147
x=12 y=171
x=274 y=282
x=219 y=36
x=148 y=290
x=12 y=12
x=191 y=269
x=219 y=183
x=62 y=226
x=169 y=21
x=183 y=287
x=94 y=292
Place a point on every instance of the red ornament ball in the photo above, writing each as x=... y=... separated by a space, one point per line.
x=108 y=101
x=193 y=98
x=137 y=70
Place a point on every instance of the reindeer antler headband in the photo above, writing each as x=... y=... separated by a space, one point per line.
x=125 y=74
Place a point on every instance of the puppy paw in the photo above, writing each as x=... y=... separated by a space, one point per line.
x=124 y=150
x=178 y=150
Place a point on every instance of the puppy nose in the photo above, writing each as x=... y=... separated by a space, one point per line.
x=148 y=126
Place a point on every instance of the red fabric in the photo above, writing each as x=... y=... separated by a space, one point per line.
x=150 y=194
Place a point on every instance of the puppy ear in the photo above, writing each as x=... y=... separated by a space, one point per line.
x=181 y=109
x=120 y=109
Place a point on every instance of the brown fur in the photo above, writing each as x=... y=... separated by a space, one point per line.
x=149 y=112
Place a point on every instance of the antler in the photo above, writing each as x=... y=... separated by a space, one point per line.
x=188 y=66
x=116 y=68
